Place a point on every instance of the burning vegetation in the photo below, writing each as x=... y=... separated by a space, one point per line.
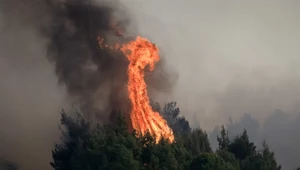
x=94 y=73
x=142 y=53
x=101 y=79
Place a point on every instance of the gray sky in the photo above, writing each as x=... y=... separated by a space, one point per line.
x=231 y=56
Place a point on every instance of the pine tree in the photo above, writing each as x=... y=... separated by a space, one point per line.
x=241 y=147
x=223 y=140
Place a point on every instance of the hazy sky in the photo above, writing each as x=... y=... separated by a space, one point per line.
x=30 y=99
x=231 y=56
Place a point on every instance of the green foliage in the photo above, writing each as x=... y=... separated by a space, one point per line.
x=268 y=158
x=171 y=113
x=228 y=157
x=223 y=140
x=162 y=156
x=241 y=147
x=75 y=132
x=262 y=160
x=197 y=142
x=110 y=149
x=242 y=154
x=113 y=147
x=209 y=161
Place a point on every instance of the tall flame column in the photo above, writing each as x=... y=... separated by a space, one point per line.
x=141 y=53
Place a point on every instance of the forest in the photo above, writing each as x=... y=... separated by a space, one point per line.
x=86 y=146
x=89 y=146
x=112 y=147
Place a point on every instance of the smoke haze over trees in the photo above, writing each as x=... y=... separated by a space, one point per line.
x=279 y=130
x=218 y=60
x=50 y=60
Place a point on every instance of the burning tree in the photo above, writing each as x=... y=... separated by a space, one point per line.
x=86 y=67
x=142 y=53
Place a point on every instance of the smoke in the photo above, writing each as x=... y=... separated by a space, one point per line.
x=279 y=130
x=30 y=99
x=94 y=78
x=50 y=59
x=233 y=57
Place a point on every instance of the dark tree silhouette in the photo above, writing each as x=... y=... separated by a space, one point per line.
x=113 y=147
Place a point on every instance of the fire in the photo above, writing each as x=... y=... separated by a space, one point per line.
x=142 y=53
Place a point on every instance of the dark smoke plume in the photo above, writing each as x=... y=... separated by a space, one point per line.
x=38 y=37
x=95 y=78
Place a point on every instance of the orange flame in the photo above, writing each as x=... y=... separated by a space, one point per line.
x=142 y=53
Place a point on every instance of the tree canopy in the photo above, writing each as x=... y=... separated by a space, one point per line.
x=113 y=147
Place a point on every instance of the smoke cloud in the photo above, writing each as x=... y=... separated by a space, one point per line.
x=280 y=130
x=95 y=78
x=30 y=99
x=232 y=57
x=50 y=59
